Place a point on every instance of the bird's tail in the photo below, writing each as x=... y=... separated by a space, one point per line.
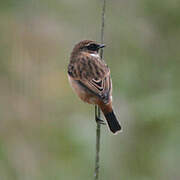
x=112 y=121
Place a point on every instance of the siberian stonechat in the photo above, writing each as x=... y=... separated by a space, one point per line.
x=90 y=78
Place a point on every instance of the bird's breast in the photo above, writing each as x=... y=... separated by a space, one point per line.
x=81 y=92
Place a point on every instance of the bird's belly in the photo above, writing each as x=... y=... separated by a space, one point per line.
x=82 y=93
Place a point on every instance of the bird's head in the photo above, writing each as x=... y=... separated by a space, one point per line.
x=88 y=46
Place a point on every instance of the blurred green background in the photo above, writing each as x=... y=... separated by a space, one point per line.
x=46 y=132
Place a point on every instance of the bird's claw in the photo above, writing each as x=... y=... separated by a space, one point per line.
x=100 y=121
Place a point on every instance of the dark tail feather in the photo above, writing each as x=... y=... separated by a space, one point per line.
x=113 y=123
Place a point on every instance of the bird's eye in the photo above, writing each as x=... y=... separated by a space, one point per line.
x=92 y=47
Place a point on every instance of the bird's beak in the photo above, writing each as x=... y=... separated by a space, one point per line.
x=102 y=46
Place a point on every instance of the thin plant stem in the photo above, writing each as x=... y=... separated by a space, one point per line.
x=97 y=109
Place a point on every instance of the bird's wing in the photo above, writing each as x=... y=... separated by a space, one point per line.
x=93 y=74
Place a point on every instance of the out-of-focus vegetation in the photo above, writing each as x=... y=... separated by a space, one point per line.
x=46 y=132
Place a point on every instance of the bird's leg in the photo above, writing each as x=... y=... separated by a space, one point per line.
x=97 y=115
x=100 y=121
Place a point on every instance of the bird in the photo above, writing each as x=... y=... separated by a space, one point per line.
x=90 y=78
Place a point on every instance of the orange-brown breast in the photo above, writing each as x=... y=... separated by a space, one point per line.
x=82 y=94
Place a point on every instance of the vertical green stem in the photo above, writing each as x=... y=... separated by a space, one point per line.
x=97 y=109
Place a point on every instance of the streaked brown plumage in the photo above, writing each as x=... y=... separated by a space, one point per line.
x=90 y=78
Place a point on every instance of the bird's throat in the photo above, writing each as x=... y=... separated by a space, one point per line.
x=95 y=55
